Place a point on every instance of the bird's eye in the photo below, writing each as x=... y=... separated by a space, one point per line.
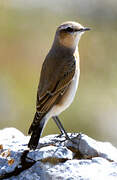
x=69 y=29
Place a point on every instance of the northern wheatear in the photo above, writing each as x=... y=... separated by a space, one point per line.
x=59 y=79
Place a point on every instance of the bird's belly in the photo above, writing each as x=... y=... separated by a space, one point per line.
x=67 y=97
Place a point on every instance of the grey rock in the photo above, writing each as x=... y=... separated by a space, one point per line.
x=82 y=158
x=51 y=152
x=96 y=169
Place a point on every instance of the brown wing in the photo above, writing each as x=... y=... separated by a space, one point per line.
x=54 y=80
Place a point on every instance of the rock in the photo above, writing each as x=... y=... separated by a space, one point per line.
x=81 y=158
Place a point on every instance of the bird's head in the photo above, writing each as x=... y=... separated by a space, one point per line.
x=68 y=34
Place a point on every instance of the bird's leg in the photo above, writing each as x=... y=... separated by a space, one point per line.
x=60 y=126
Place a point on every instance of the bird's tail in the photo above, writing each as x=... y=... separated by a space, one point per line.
x=36 y=130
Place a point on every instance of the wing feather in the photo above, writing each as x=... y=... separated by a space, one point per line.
x=51 y=87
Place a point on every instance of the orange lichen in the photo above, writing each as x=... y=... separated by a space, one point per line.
x=1 y=147
x=11 y=161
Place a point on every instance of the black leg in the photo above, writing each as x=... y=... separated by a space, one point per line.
x=60 y=126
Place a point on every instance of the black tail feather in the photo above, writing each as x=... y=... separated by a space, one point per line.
x=33 y=142
x=36 y=130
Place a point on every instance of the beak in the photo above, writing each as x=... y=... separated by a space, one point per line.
x=85 y=29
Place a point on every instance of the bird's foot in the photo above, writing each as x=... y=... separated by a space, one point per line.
x=60 y=135
x=64 y=135
x=79 y=136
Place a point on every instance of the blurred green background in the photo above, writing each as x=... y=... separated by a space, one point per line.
x=27 y=30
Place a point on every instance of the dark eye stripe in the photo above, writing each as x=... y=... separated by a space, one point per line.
x=69 y=29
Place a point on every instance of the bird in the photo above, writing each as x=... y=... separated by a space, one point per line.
x=59 y=79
